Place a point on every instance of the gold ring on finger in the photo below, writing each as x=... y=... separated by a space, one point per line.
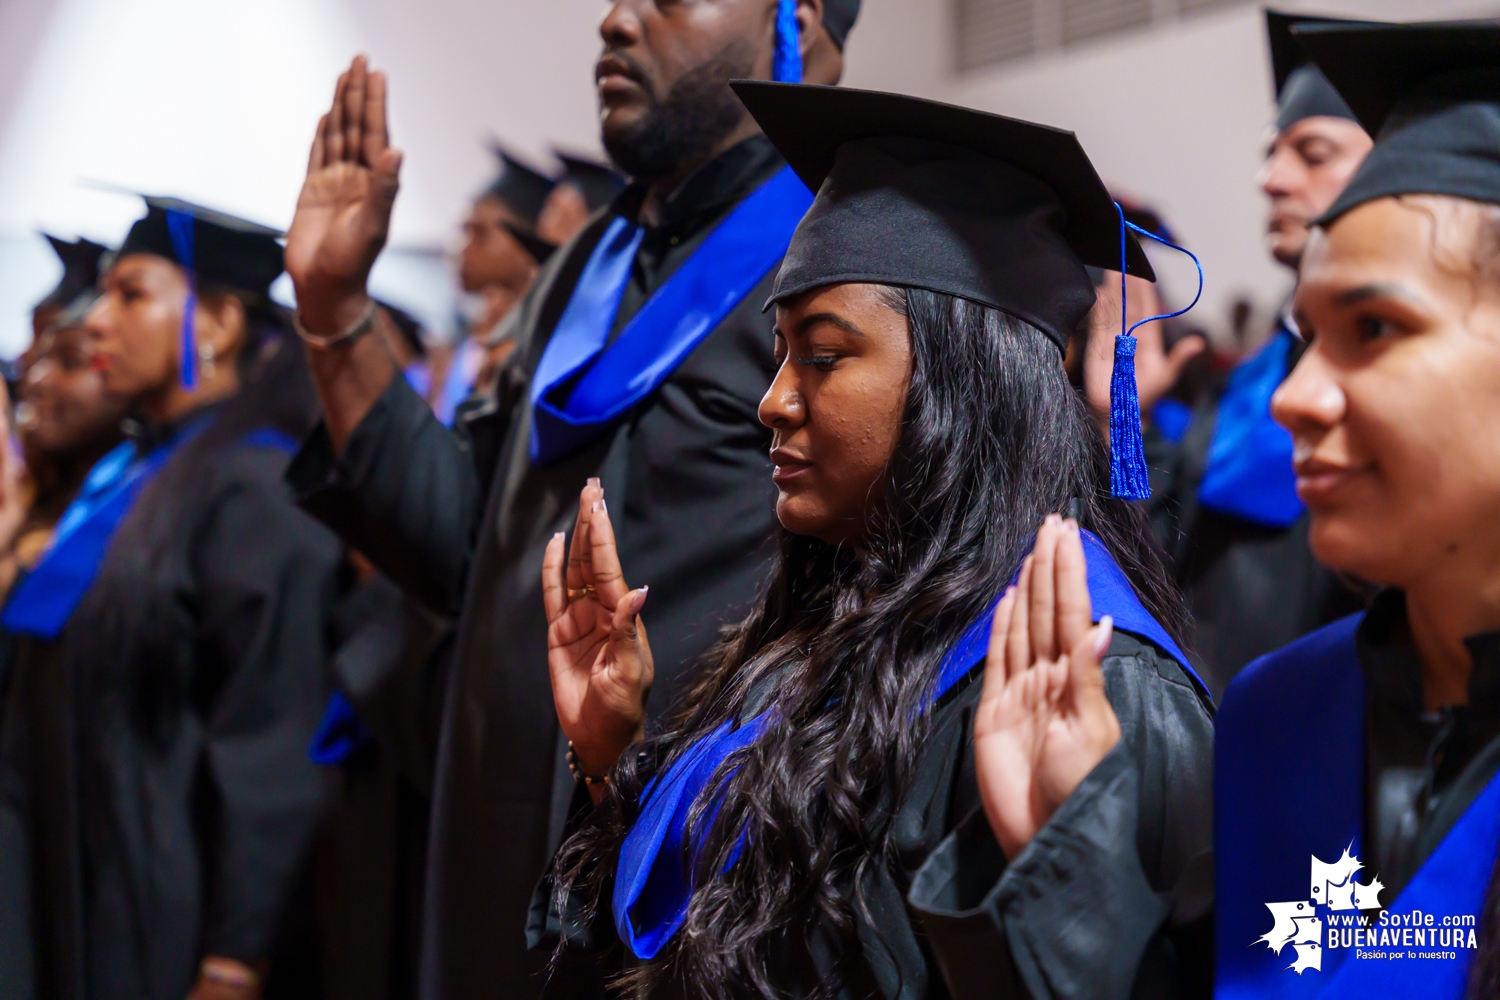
x=575 y=593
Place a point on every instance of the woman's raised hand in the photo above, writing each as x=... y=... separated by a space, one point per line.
x=1043 y=721
x=344 y=210
x=597 y=651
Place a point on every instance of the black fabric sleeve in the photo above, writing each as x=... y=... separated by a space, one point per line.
x=404 y=493
x=267 y=576
x=576 y=928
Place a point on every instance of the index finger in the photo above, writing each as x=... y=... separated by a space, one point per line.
x=354 y=111
x=586 y=498
x=554 y=597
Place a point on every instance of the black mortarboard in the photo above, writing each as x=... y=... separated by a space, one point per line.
x=926 y=195
x=1430 y=93
x=597 y=182
x=214 y=250
x=838 y=17
x=224 y=251
x=1302 y=91
x=539 y=248
x=521 y=187
x=80 y=261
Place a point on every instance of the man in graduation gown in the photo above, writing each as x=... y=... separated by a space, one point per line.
x=668 y=425
x=1229 y=514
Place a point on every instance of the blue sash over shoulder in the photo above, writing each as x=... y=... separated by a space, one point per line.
x=43 y=602
x=1289 y=804
x=1248 y=471
x=610 y=378
x=653 y=878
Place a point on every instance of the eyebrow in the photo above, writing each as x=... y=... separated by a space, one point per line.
x=813 y=319
x=1389 y=290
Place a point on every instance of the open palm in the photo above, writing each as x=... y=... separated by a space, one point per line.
x=344 y=210
x=597 y=651
x=1044 y=721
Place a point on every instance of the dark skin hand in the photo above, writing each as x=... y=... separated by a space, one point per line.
x=136 y=329
x=343 y=214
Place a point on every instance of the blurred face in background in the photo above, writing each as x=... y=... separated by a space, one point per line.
x=1307 y=167
x=1393 y=407
x=492 y=259
x=64 y=406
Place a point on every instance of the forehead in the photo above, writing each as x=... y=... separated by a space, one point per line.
x=1388 y=239
x=140 y=265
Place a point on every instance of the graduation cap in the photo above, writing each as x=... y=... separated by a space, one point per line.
x=80 y=260
x=1302 y=91
x=917 y=194
x=521 y=187
x=214 y=249
x=838 y=17
x=597 y=182
x=1430 y=94
x=539 y=248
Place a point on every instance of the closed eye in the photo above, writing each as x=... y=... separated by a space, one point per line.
x=822 y=362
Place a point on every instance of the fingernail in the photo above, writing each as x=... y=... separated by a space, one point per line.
x=603 y=505
x=1053 y=519
x=1106 y=634
x=559 y=534
x=594 y=482
x=1071 y=525
x=594 y=507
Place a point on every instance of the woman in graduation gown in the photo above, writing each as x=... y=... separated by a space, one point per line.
x=764 y=841
x=1372 y=746
x=157 y=806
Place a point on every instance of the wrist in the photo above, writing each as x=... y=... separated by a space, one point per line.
x=328 y=312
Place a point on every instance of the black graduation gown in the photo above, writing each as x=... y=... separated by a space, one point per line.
x=1113 y=894
x=1250 y=588
x=156 y=799
x=461 y=522
x=391 y=663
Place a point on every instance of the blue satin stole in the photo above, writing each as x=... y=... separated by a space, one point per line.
x=654 y=878
x=45 y=599
x=1248 y=472
x=608 y=378
x=1289 y=785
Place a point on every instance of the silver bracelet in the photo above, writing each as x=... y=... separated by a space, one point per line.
x=353 y=331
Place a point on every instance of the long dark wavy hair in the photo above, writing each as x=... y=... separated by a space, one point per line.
x=844 y=647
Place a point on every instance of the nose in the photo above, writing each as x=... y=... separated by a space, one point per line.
x=1276 y=174
x=1311 y=400
x=620 y=27
x=99 y=318
x=782 y=408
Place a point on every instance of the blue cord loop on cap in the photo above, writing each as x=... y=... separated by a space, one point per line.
x=786 y=64
x=180 y=229
x=1128 y=477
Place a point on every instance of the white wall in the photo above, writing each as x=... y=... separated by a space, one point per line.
x=215 y=100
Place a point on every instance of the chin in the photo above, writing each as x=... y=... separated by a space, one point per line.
x=799 y=516
x=1347 y=545
x=1287 y=247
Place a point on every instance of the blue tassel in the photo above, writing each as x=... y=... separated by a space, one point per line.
x=1127 y=451
x=1128 y=477
x=786 y=64
x=180 y=229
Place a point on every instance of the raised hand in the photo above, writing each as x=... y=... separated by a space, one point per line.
x=597 y=652
x=1157 y=369
x=344 y=211
x=1043 y=721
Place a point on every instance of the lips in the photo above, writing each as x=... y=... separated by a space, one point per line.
x=789 y=466
x=1319 y=481
x=613 y=75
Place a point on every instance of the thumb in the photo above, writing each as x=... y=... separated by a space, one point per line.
x=387 y=178
x=626 y=612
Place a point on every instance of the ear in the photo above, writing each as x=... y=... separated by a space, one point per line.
x=822 y=62
x=809 y=24
x=221 y=326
